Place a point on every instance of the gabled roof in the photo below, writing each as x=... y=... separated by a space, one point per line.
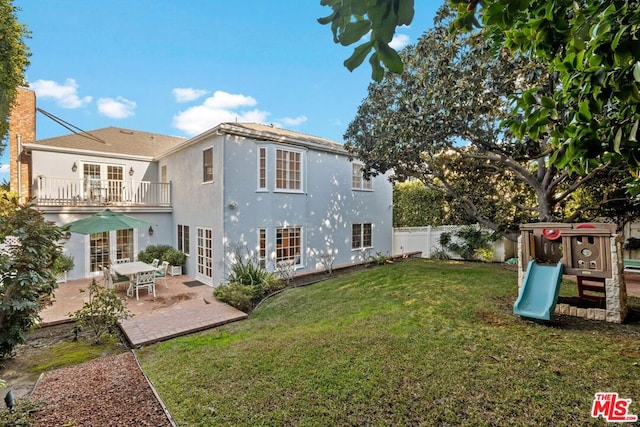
x=271 y=133
x=260 y=132
x=112 y=140
x=127 y=142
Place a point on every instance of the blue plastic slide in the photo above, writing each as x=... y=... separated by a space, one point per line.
x=539 y=292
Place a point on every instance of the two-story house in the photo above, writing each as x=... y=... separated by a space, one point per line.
x=283 y=195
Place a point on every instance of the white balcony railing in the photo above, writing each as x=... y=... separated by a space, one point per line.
x=52 y=191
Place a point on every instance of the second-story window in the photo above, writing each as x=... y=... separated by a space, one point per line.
x=358 y=181
x=207 y=165
x=288 y=170
x=262 y=168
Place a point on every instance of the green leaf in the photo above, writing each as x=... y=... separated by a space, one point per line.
x=390 y=58
x=636 y=71
x=616 y=39
x=377 y=72
x=354 y=31
x=547 y=102
x=634 y=131
x=327 y=19
x=405 y=11
x=358 y=56
x=616 y=141
x=583 y=113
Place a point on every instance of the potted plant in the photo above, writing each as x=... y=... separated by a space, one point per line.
x=62 y=265
x=176 y=260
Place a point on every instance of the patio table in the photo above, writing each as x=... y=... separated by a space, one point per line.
x=131 y=268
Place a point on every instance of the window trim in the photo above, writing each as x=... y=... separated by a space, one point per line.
x=287 y=179
x=361 y=237
x=363 y=183
x=204 y=172
x=299 y=264
x=183 y=244
x=263 y=168
x=262 y=247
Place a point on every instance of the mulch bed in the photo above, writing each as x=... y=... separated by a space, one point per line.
x=109 y=391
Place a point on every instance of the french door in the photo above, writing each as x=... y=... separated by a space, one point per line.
x=204 y=271
x=108 y=246
x=103 y=182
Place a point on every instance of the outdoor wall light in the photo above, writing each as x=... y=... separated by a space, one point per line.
x=150 y=231
x=74 y=167
x=131 y=171
x=67 y=235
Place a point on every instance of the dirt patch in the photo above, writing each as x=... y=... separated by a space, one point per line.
x=169 y=301
x=15 y=370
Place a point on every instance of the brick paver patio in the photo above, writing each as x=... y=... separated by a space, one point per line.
x=178 y=309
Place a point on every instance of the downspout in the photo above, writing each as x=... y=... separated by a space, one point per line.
x=19 y=167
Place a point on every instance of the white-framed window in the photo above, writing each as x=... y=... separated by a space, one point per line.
x=183 y=238
x=289 y=244
x=262 y=247
x=207 y=165
x=288 y=170
x=262 y=168
x=361 y=236
x=358 y=181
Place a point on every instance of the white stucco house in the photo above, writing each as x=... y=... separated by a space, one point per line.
x=285 y=196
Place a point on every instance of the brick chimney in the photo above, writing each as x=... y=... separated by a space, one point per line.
x=22 y=129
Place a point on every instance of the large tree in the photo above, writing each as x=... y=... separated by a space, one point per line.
x=591 y=45
x=26 y=276
x=442 y=121
x=14 y=60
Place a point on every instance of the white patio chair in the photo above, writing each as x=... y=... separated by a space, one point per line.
x=161 y=273
x=146 y=279
x=113 y=279
x=155 y=262
x=121 y=260
x=106 y=276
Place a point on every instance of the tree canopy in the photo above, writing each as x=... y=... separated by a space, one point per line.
x=443 y=121
x=28 y=281
x=591 y=46
x=14 y=60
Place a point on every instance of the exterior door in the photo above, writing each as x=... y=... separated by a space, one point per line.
x=108 y=246
x=204 y=260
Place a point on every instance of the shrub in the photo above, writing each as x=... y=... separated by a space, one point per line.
x=28 y=281
x=236 y=295
x=152 y=252
x=470 y=243
x=63 y=263
x=174 y=257
x=163 y=253
x=102 y=312
x=249 y=282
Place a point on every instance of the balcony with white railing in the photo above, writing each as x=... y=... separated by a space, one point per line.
x=52 y=191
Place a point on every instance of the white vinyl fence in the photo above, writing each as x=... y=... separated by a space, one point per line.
x=425 y=239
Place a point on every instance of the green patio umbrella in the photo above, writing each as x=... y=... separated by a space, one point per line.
x=106 y=220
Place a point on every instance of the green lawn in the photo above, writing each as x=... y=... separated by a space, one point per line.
x=412 y=343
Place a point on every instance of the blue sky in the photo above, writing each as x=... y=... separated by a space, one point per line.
x=181 y=67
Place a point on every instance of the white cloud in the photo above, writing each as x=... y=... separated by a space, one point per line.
x=186 y=94
x=65 y=95
x=228 y=101
x=289 y=121
x=399 y=41
x=218 y=108
x=119 y=108
x=4 y=168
